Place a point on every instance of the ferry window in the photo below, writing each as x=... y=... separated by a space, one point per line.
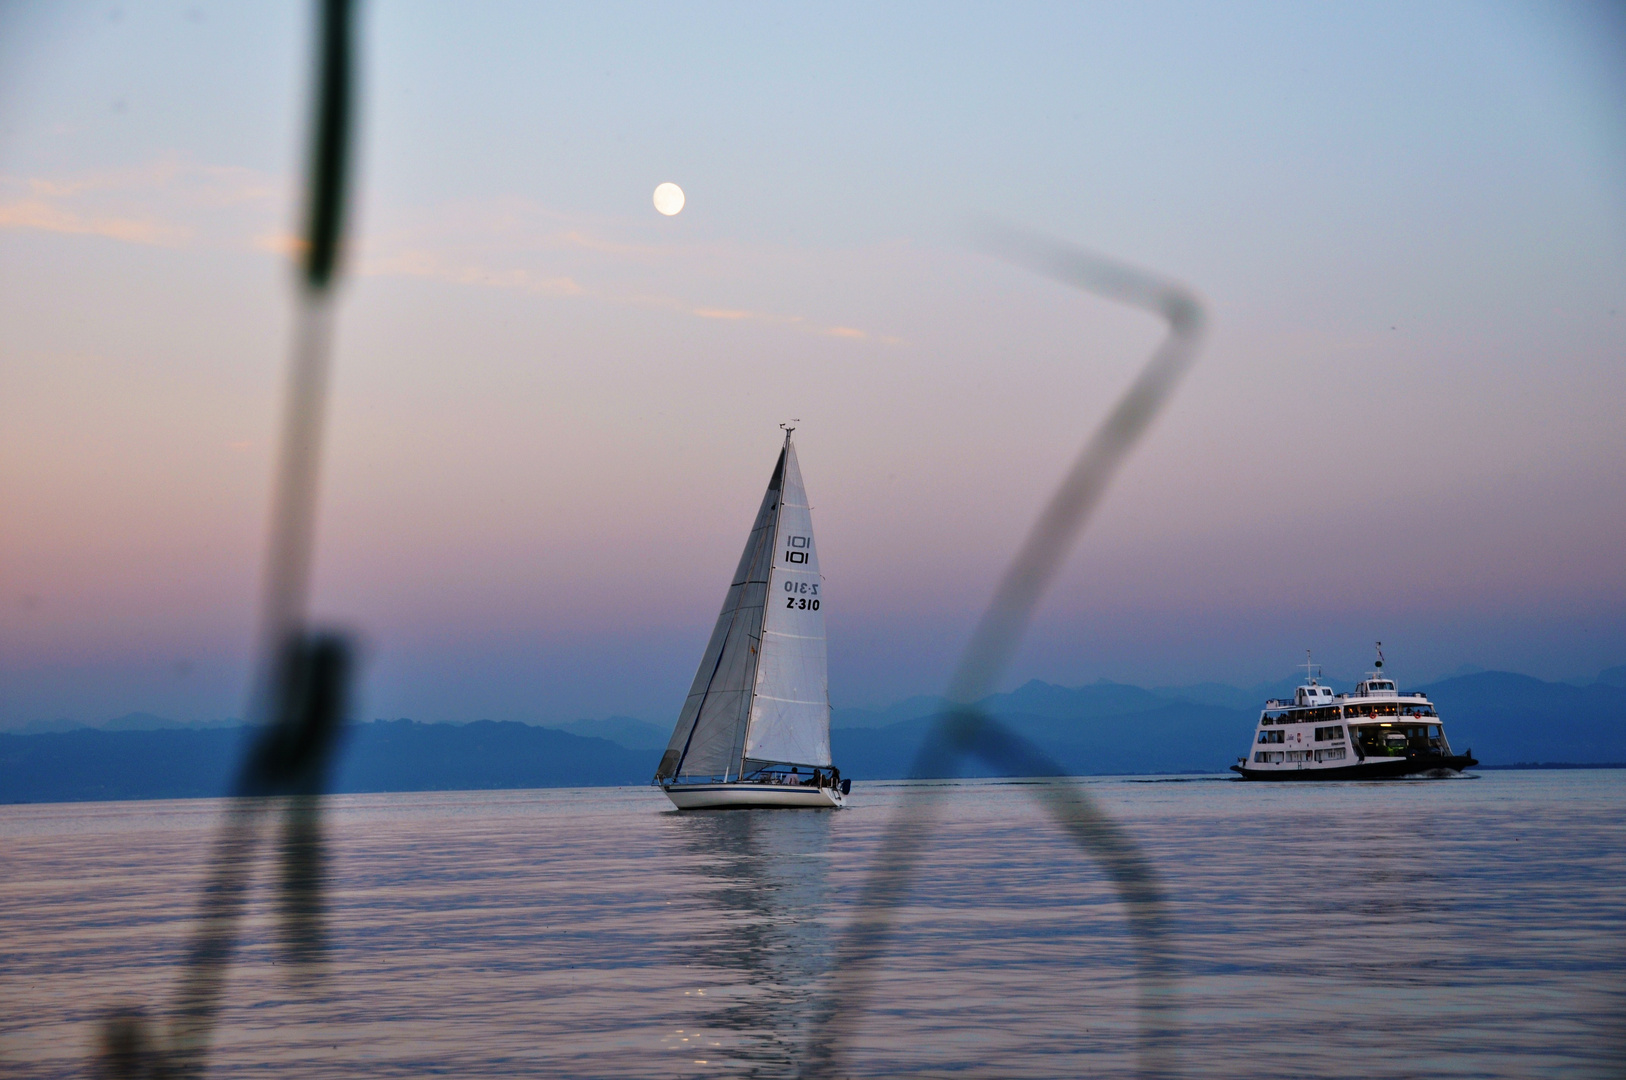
x=1382 y=740
x=1434 y=731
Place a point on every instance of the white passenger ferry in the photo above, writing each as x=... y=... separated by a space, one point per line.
x=1374 y=732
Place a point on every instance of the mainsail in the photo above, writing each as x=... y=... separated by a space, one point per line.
x=761 y=694
x=790 y=711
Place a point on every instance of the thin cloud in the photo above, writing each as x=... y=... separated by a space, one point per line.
x=42 y=216
x=577 y=238
x=474 y=245
x=798 y=321
x=165 y=203
x=280 y=242
x=424 y=264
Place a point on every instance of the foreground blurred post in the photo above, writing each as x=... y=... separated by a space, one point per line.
x=298 y=698
x=968 y=731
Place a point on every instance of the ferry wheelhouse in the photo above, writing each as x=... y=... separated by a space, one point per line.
x=1373 y=732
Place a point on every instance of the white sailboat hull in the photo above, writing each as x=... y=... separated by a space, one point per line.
x=743 y=795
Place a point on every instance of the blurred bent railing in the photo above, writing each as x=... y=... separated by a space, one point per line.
x=968 y=731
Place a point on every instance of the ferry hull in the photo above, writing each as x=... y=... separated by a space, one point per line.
x=743 y=796
x=1370 y=769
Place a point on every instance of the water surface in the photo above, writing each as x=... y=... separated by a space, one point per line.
x=1468 y=928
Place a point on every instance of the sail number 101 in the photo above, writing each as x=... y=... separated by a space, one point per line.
x=806 y=598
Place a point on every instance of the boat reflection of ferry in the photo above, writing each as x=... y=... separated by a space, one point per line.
x=1372 y=733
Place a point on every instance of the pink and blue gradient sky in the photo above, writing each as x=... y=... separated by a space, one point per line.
x=554 y=410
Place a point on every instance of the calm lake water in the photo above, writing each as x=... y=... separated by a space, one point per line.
x=1466 y=928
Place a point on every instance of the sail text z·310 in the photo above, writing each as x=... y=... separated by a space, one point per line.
x=755 y=728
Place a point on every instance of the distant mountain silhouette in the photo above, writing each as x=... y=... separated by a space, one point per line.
x=141 y=721
x=1107 y=728
x=88 y=764
x=633 y=734
x=136 y=721
x=386 y=755
x=37 y=727
x=401 y=755
x=1164 y=737
x=1508 y=718
x=1102 y=728
x=907 y=709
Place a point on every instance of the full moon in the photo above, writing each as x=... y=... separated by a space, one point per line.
x=669 y=199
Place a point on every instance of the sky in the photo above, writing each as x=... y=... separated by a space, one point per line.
x=554 y=410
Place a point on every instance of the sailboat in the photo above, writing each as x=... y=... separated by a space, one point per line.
x=755 y=728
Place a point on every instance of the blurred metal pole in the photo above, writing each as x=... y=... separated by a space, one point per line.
x=298 y=697
x=967 y=731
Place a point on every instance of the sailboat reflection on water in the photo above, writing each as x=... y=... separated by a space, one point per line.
x=765 y=949
x=755 y=728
